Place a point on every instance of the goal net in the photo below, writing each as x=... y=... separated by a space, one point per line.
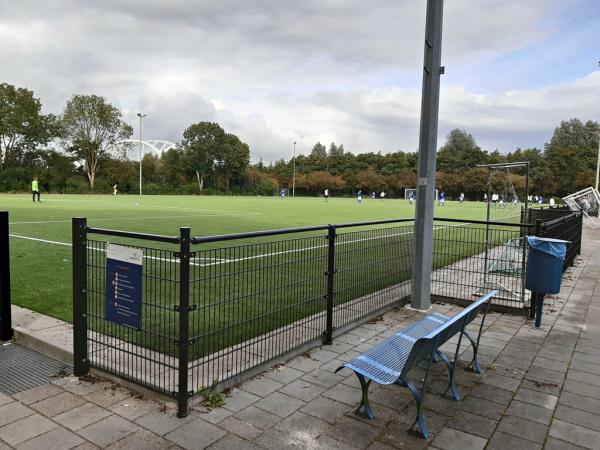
x=588 y=202
x=407 y=193
x=507 y=194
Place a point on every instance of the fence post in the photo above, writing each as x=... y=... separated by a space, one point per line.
x=184 y=320
x=81 y=365
x=328 y=335
x=5 y=300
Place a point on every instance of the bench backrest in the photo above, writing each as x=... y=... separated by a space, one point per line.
x=424 y=347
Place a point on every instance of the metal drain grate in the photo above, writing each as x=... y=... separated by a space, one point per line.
x=22 y=368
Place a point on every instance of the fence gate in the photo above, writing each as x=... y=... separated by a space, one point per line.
x=5 y=316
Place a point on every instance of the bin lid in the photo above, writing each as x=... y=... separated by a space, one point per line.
x=550 y=246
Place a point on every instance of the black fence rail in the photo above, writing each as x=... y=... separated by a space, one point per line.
x=6 y=331
x=544 y=213
x=218 y=308
x=568 y=227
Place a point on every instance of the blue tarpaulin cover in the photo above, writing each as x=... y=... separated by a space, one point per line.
x=552 y=247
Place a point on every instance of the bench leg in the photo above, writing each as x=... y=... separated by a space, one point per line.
x=450 y=366
x=474 y=364
x=364 y=409
x=419 y=420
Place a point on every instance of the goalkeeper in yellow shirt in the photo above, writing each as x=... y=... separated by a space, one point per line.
x=35 y=189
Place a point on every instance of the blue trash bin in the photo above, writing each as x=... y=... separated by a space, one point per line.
x=544 y=264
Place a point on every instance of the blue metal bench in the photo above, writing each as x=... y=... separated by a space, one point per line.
x=390 y=361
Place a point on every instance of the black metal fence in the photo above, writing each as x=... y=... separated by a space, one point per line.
x=6 y=331
x=544 y=213
x=568 y=227
x=217 y=308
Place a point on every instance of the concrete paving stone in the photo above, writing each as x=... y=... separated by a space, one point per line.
x=339 y=347
x=82 y=416
x=258 y=417
x=328 y=443
x=302 y=390
x=284 y=374
x=500 y=336
x=214 y=415
x=450 y=439
x=24 y=429
x=37 y=393
x=540 y=386
x=499 y=381
x=276 y=440
x=536 y=373
x=472 y=424
x=108 y=396
x=376 y=445
x=492 y=393
x=4 y=399
x=280 y=404
x=536 y=398
x=4 y=446
x=397 y=435
x=332 y=365
x=11 y=412
x=578 y=417
x=232 y=442
x=161 y=423
x=58 y=404
x=238 y=400
x=353 y=432
x=80 y=387
x=344 y=394
x=556 y=444
x=326 y=409
x=588 y=367
x=586 y=389
x=559 y=366
x=474 y=405
x=196 y=434
x=512 y=362
x=394 y=397
x=523 y=428
x=531 y=412
x=304 y=364
x=302 y=424
x=575 y=434
x=57 y=439
x=323 y=378
x=583 y=377
x=108 y=430
x=588 y=350
x=132 y=408
x=503 y=441
x=141 y=439
x=240 y=428
x=261 y=386
x=324 y=355
x=580 y=402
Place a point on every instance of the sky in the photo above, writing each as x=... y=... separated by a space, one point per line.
x=278 y=71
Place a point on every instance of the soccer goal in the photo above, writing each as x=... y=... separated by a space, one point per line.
x=414 y=191
x=283 y=193
x=588 y=202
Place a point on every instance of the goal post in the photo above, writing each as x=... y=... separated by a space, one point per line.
x=588 y=202
x=414 y=191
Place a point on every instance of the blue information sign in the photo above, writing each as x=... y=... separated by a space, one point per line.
x=124 y=285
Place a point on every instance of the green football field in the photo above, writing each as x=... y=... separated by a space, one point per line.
x=41 y=232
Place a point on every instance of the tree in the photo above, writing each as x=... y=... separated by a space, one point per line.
x=91 y=125
x=459 y=153
x=201 y=144
x=232 y=158
x=572 y=150
x=22 y=125
x=370 y=179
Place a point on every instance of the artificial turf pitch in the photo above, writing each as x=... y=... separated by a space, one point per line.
x=41 y=262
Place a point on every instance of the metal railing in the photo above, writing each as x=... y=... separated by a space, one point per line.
x=567 y=227
x=6 y=331
x=217 y=309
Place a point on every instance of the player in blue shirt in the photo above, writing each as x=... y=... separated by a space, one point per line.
x=442 y=200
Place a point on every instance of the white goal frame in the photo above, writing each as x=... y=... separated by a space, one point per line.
x=578 y=201
x=406 y=191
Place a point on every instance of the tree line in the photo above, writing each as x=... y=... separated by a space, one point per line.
x=78 y=151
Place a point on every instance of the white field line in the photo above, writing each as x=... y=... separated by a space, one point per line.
x=219 y=261
x=138 y=205
x=105 y=219
x=67 y=244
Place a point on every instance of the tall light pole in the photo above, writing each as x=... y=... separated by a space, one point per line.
x=294 y=174
x=141 y=116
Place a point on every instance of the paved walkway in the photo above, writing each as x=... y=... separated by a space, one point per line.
x=541 y=389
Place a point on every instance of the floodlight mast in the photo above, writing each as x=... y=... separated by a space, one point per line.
x=430 y=104
x=141 y=116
